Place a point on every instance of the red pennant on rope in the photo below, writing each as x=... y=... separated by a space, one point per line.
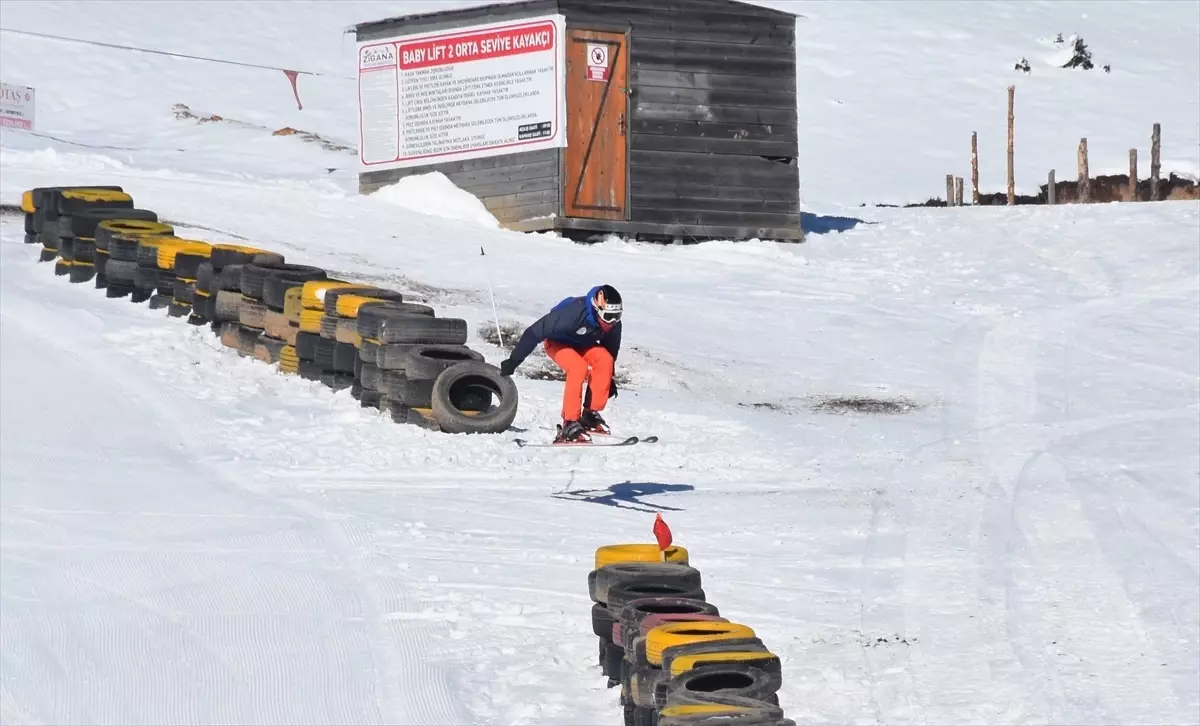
x=662 y=532
x=292 y=76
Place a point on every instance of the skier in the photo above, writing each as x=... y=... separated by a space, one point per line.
x=583 y=336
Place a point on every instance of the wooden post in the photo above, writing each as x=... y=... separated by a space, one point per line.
x=1133 y=193
x=1155 y=138
x=1012 y=194
x=1051 y=193
x=958 y=191
x=974 y=168
x=1085 y=182
x=949 y=190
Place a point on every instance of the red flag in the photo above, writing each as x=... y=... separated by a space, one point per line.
x=662 y=533
x=291 y=76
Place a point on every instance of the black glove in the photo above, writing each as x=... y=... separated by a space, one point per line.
x=612 y=388
x=507 y=367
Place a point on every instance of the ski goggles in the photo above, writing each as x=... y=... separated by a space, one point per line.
x=609 y=313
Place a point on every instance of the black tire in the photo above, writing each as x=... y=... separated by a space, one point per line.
x=116 y=291
x=329 y=301
x=81 y=272
x=225 y=255
x=306 y=346
x=145 y=278
x=178 y=309
x=323 y=354
x=277 y=283
x=309 y=370
x=631 y=573
x=254 y=276
x=46 y=254
x=372 y=315
x=45 y=199
x=371 y=377
x=344 y=355
x=68 y=205
x=329 y=327
x=100 y=260
x=229 y=278
x=251 y=313
x=392 y=357
x=268 y=348
x=158 y=301
x=30 y=229
x=139 y=296
x=368 y=351
x=200 y=308
x=187 y=264
x=66 y=248
x=619 y=596
x=391 y=382
x=370 y=399
x=84 y=223
x=84 y=250
x=415 y=393
x=424 y=329
x=247 y=338
x=357 y=366
x=226 y=305
x=107 y=229
x=204 y=277
x=31 y=239
x=120 y=273
x=337 y=381
x=635 y=611
x=166 y=282
x=602 y=621
x=737 y=680
x=458 y=378
x=147 y=252
x=123 y=248
x=184 y=292
x=426 y=362
x=101 y=280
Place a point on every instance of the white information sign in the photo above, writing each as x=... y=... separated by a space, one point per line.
x=480 y=91
x=16 y=107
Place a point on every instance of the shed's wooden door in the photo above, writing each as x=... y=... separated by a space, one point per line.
x=596 y=158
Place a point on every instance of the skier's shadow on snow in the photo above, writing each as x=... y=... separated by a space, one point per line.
x=626 y=496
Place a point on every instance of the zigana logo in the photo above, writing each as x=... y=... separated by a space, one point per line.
x=377 y=55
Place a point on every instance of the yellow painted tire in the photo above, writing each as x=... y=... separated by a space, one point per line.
x=348 y=305
x=27 y=202
x=759 y=659
x=703 y=710
x=292 y=304
x=310 y=321
x=312 y=293
x=88 y=194
x=618 y=553
x=682 y=633
x=168 y=250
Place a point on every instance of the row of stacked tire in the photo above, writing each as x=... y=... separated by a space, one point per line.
x=676 y=660
x=393 y=355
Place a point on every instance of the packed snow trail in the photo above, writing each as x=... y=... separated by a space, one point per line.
x=1032 y=522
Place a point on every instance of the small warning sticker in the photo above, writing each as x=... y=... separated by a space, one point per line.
x=597 y=69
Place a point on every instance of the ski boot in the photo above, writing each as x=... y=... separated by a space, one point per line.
x=571 y=432
x=593 y=423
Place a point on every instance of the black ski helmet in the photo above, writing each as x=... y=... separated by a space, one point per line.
x=607 y=303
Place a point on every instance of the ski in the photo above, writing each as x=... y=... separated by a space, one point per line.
x=640 y=439
x=581 y=444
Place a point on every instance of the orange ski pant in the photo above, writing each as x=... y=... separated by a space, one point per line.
x=593 y=367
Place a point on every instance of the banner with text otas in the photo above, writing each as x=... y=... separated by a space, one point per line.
x=479 y=91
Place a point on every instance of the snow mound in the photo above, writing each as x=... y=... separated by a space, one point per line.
x=435 y=195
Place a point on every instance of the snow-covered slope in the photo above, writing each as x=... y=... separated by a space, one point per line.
x=188 y=536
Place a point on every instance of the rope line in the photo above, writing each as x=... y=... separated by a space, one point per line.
x=168 y=53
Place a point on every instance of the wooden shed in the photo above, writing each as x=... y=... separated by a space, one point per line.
x=653 y=119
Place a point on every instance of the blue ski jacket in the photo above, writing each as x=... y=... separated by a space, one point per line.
x=571 y=322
